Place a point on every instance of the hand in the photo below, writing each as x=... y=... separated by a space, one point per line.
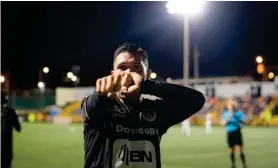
x=132 y=85
x=122 y=85
x=109 y=85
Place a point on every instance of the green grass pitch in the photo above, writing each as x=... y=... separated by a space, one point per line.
x=61 y=146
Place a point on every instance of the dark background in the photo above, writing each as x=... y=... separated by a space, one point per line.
x=62 y=34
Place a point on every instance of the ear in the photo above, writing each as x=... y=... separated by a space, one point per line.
x=149 y=71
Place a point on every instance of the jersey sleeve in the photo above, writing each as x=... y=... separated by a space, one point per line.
x=179 y=102
x=94 y=108
x=242 y=116
x=16 y=123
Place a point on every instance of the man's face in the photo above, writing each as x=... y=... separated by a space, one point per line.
x=134 y=63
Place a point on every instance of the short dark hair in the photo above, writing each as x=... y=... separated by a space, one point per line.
x=133 y=49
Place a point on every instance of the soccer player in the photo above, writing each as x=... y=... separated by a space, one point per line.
x=126 y=116
x=9 y=120
x=208 y=122
x=209 y=105
x=233 y=118
x=185 y=127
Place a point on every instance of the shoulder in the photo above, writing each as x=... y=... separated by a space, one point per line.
x=90 y=98
x=11 y=112
x=240 y=112
x=11 y=109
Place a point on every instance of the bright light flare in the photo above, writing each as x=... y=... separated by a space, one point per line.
x=259 y=59
x=45 y=70
x=260 y=68
x=186 y=7
x=70 y=75
x=41 y=85
x=2 y=79
x=74 y=78
x=271 y=75
x=153 y=75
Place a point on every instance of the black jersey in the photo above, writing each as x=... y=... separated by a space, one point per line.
x=9 y=120
x=125 y=134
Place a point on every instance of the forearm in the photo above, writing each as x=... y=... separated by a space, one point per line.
x=185 y=98
x=178 y=102
x=16 y=123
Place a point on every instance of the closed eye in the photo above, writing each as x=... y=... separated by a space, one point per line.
x=122 y=67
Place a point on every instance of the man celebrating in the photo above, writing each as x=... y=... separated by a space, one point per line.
x=233 y=118
x=126 y=116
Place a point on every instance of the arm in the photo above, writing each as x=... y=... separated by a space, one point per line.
x=242 y=118
x=16 y=122
x=224 y=122
x=94 y=107
x=179 y=102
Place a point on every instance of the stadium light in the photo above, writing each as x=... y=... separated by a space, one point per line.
x=259 y=59
x=41 y=85
x=186 y=8
x=153 y=75
x=2 y=79
x=70 y=75
x=45 y=70
x=260 y=68
x=74 y=78
x=271 y=75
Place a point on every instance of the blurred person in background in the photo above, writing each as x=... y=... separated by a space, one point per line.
x=186 y=127
x=9 y=120
x=208 y=107
x=208 y=122
x=232 y=119
x=127 y=114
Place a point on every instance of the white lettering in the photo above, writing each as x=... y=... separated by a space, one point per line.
x=119 y=128
x=141 y=130
x=157 y=133
x=152 y=131
x=126 y=130
x=147 y=131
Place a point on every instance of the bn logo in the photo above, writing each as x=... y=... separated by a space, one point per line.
x=128 y=156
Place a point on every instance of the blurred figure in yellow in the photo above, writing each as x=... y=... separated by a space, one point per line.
x=31 y=118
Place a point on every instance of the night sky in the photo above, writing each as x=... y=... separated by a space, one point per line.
x=62 y=34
